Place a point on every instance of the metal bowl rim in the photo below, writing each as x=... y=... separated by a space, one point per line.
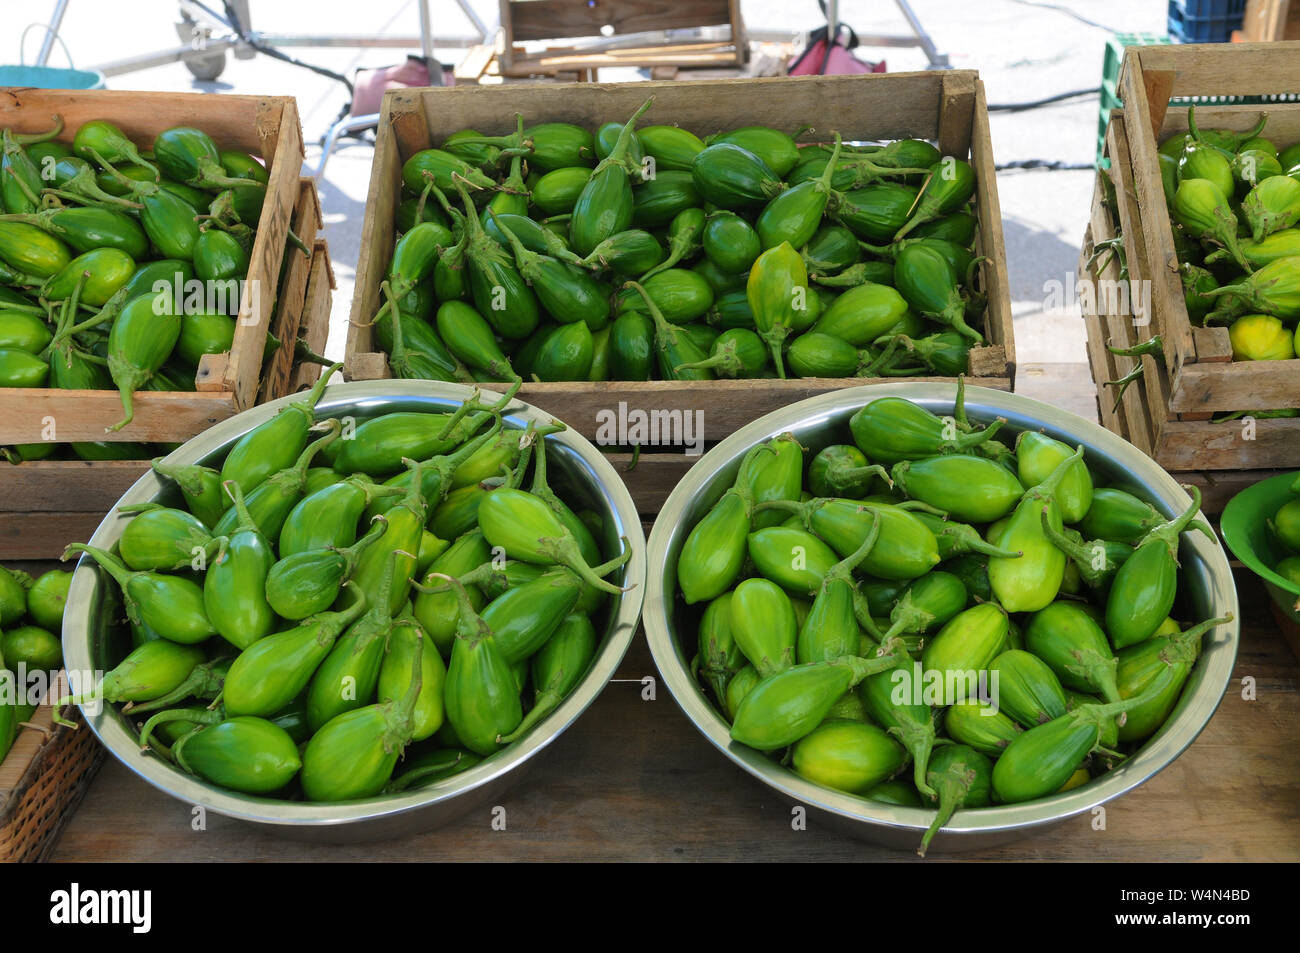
x=1157 y=752
x=363 y=397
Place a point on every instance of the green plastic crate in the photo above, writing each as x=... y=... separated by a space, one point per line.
x=1110 y=67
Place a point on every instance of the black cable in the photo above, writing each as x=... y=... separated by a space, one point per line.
x=1046 y=165
x=1067 y=11
x=1034 y=104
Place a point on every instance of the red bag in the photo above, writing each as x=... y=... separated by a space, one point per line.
x=371 y=84
x=834 y=59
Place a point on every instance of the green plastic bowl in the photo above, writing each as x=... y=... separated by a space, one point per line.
x=1244 y=526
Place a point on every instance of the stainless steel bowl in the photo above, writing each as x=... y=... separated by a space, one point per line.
x=576 y=469
x=1207 y=586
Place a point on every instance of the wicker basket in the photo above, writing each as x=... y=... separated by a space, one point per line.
x=42 y=780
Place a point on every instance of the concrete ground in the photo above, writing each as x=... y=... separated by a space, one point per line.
x=1024 y=50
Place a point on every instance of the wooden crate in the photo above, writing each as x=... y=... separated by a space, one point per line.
x=1270 y=20
x=1203 y=378
x=314 y=331
x=524 y=20
x=1212 y=456
x=266 y=126
x=46 y=504
x=42 y=780
x=948 y=107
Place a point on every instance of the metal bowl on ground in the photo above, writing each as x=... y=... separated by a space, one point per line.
x=1206 y=590
x=577 y=471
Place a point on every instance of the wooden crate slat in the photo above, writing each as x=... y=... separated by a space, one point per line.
x=1155 y=378
x=1157 y=234
x=1268 y=20
x=653 y=478
x=160 y=416
x=1200 y=445
x=1218 y=69
x=243 y=122
x=315 y=328
x=243 y=370
x=692 y=55
x=27 y=536
x=990 y=242
x=554 y=19
x=724 y=405
x=1132 y=412
x=67 y=486
x=293 y=294
x=1236 y=384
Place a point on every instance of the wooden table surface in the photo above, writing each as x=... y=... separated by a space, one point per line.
x=634 y=780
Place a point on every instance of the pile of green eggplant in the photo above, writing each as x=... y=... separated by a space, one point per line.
x=90 y=226
x=865 y=608
x=319 y=601
x=1234 y=200
x=31 y=621
x=1285 y=527
x=633 y=251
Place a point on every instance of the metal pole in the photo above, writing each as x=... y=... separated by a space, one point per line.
x=473 y=18
x=937 y=59
x=426 y=46
x=51 y=31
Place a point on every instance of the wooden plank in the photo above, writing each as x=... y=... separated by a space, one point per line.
x=710 y=54
x=1219 y=486
x=1265 y=20
x=292 y=295
x=377 y=228
x=1213 y=345
x=989 y=241
x=506 y=37
x=44 y=535
x=1241 y=385
x=634 y=780
x=1224 y=446
x=1132 y=412
x=866 y=106
x=160 y=416
x=236 y=122
x=474 y=63
x=956 y=113
x=317 y=307
x=1110 y=418
x=1157 y=231
x=67 y=486
x=258 y=302
x=723 y=406
x=738 y=36
x=652 y=478
x=1155 y=376
x=551 y=19
x=1220 y=69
